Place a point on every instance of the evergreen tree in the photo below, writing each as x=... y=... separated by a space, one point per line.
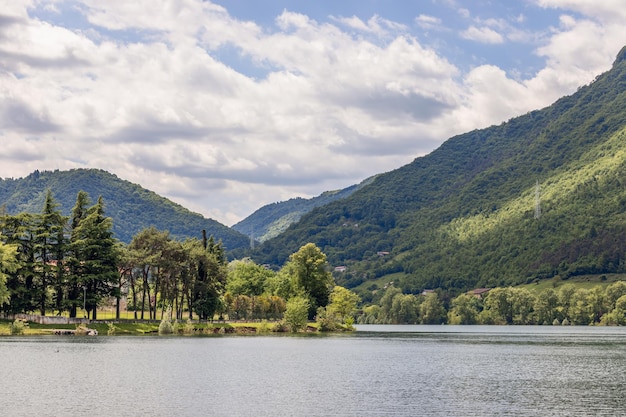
x=49 y=250
x=96 y=254
x=75 y=286
x=8 y=264
x=18 y=231
x=211 y=278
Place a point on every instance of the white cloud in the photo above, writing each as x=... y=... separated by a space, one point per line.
x=428 y=22
x=482 y=34
x=338 y=101
x=606 y=10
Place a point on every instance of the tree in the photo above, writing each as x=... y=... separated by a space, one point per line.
x=343 y=303
x=405 y=309
x=247 y=278
x=498 y=306
x=465 y=309
x=97 y=256
x=386 y=304
x=49 y=251
x=8 y=264
x=211 y=278
x=146 y=252
x=522 y=302
x=613 y=292
x=75 y=286
x=309 y=271
x=618 y=315
x=431 y=309
x=18 y=231
x=296 y=314
x=546 y=307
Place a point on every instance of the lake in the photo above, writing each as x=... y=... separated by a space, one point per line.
x=376 y=371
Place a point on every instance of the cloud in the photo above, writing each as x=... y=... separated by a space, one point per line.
x=612 y=11
x=482 y=34
x=428 y=22
x=303 y=106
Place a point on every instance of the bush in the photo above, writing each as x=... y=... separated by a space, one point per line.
x=17 y=327
x=263 y=328
x=327 y=322
x=165 y=327
x=296 y=314
x=188 y=328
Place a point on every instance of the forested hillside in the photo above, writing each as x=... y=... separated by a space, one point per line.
x=541 y=195
x=132 y=207
x=271 y=220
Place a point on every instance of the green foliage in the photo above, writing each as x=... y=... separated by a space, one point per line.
x=165 y=327
x=343 y=303
x=308 y=271
x=8 y=264
x=271 y=220
x=462 y=217
x=296 y=314
x=327 y=321
x=18 y=326
x=131 y=207
x=465 y=309
x=247 y=278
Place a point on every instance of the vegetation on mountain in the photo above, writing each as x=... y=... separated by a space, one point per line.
x=470 y=214
x=131 y=207
x=271 y=220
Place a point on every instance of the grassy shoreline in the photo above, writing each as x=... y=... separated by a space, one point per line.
x=134 y=328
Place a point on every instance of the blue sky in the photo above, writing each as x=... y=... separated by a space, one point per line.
x=228 y=105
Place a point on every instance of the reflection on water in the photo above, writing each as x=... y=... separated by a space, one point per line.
x=388 y=370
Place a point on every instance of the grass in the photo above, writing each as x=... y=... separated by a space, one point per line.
x=131 y=327
x=582 y=281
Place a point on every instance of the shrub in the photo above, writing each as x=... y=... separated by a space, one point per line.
x=263 y=328
x=17 y=327
x=296 y=314
x=165 y=327
x=188 y=328
x=327 y=322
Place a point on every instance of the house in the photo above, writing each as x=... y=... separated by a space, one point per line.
x=479 y=292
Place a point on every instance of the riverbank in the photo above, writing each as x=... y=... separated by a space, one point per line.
x=136 y=328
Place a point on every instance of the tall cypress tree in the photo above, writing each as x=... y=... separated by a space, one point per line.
x=75 y=284
x=96 y=251
x=49 y=244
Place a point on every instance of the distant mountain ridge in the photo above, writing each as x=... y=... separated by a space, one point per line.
x=464 y=216
x=273 y=219
x=131 y=206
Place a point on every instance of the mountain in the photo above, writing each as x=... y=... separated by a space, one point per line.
x=132 y=207
x=271 y=220
x=539 y=196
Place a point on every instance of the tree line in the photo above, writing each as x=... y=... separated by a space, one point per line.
x=61 y=264
x=504 y=305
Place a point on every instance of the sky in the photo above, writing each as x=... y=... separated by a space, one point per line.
x=224 y=106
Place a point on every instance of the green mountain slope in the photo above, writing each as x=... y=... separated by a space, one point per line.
x=131 y=206
x=464 y=215
x=271 y=220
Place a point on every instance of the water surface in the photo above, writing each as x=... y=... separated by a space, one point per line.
x=377 y=371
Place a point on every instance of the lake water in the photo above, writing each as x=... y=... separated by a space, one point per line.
x=377 y=371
